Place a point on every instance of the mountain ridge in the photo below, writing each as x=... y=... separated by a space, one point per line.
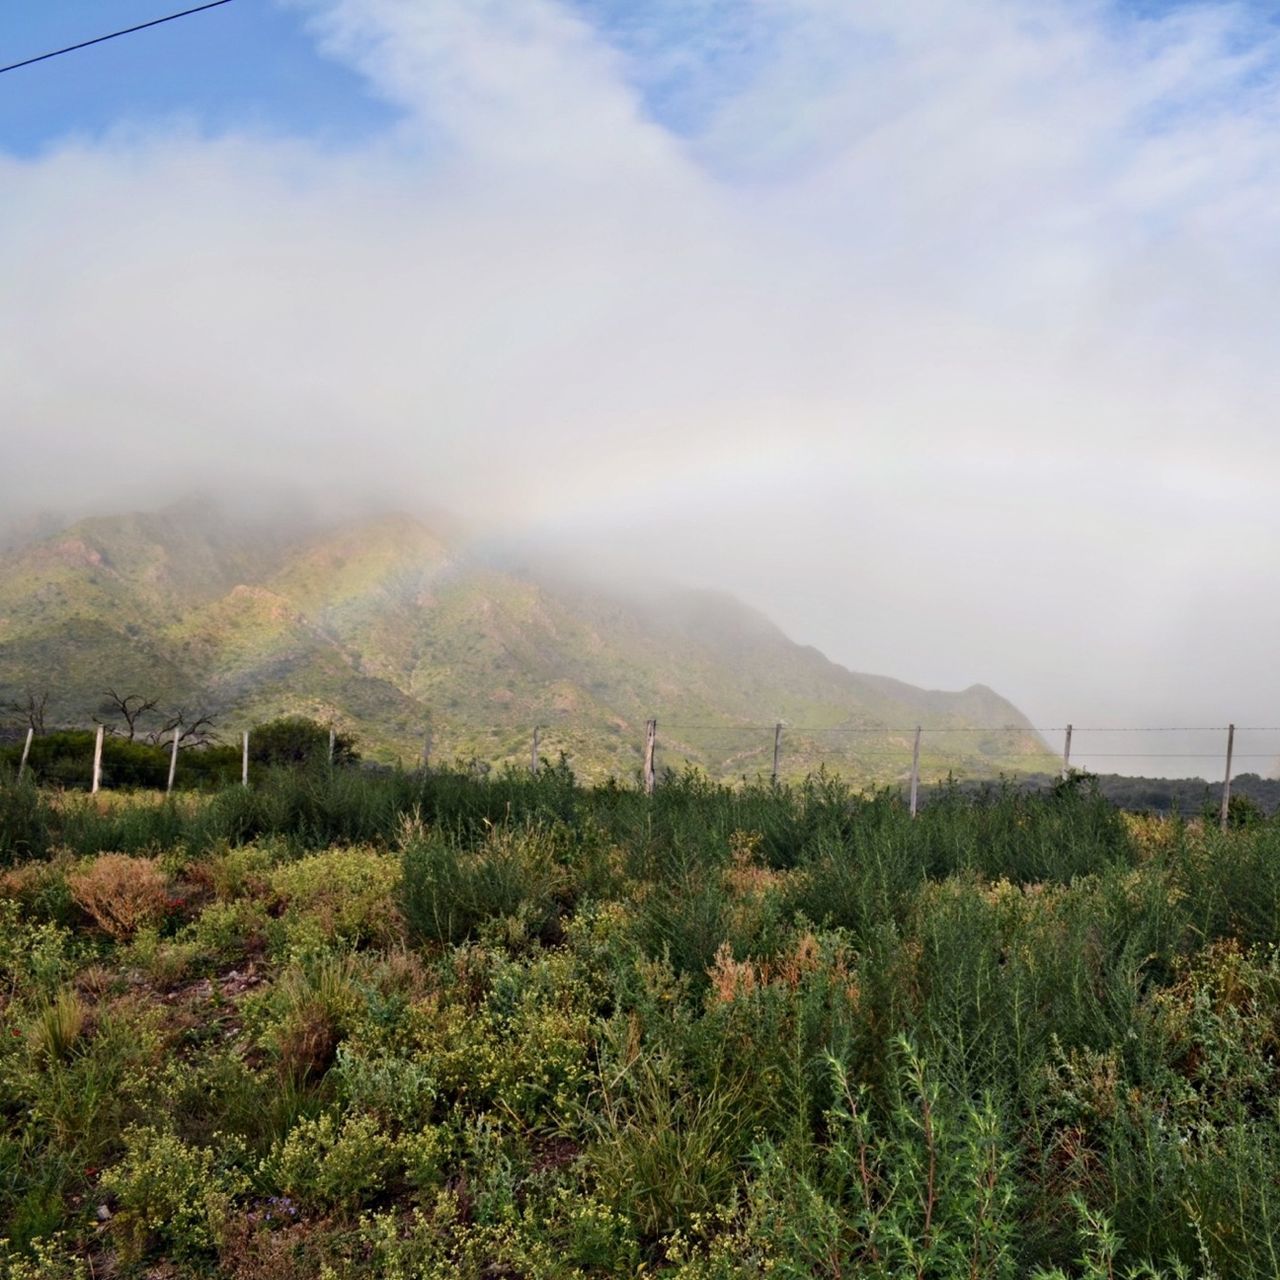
x=384 y=628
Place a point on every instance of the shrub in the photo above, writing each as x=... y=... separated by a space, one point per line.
x=342 y=897
x=666 y=1150
x=296 y=740
x=54 y=1258
x=170 y=1195
x=400 y=1091
x=446 y=892
x=35 y=958
x=226 y=932
x=64 y=758
x=923 y=1189
x=120 y=893
x=1242 y=812
x=329 y=1164
x=713 y=1034
x=24 y=822
x=311 y=1009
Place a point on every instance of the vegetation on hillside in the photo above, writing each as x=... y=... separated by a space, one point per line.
x=450 y=1025
x=380 y=628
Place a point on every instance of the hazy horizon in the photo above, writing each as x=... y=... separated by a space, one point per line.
x=942 y=334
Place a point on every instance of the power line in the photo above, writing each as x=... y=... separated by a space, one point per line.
x=84 y=44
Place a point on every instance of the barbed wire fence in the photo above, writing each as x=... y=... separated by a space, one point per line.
x=770 y=748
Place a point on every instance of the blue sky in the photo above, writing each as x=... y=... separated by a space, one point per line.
x=249 y=64
x=253 y=64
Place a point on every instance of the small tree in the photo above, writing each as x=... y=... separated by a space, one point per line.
x=193 y=728
x=130 y=708
x=297 y=740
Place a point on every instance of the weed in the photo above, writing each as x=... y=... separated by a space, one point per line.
x=120 y=893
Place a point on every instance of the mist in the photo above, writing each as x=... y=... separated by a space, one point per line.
x=945 y=337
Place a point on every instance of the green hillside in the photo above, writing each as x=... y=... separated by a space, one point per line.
x=382 y=628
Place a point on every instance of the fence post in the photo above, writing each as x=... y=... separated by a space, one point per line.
x=650 y=741
x=777 y=751
x=1226 y=780
x=426 y=750
x=533 y=759
x=915 y=772
x=97 y=761
x=244 y=760
x=173 y=758
x=26 y=751
x=333 y=734
x=1066 y=755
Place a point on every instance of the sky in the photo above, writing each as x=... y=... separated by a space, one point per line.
x=943 y=332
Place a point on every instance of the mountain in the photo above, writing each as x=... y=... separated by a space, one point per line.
x=383 y=628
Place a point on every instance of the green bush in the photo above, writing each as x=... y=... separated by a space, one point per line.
x=342 y=897
x=65 y=759
x=170 y=1195
x=24 y=821
x=447 y=891
x=294 y=741
x=330 y=1164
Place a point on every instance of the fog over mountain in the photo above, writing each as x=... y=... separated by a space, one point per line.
x=943 y=333
x=383 y=629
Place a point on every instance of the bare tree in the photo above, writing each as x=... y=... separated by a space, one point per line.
x=131 y=708
x=32 y=710
x=193 y=728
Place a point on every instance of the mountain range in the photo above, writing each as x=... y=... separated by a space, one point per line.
x=384 y=628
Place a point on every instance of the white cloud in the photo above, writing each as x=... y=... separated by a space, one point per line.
x=945 y=331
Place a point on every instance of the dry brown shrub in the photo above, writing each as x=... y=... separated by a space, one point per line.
x=402 y=970
x=308 y=1042
x=28 y=882
x=733 y=979
x=120 y=893
x=94 y=980
x=251 y=1249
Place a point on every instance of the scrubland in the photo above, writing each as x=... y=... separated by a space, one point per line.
x=342 y=1025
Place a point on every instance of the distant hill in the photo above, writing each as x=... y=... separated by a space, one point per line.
x=381 y=627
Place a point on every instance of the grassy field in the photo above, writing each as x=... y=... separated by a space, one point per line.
x=404 y=1026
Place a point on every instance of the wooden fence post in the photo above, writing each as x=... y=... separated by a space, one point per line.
x=333 y=735
x=915 y=772
x=1066 y=755
x=26 y=751
x=1226 y=780
x=533 y=759
x=650 y=742
x=173 y=759
x=426 y=750
x=244 y=760
x=777 y=751
x=97 y=761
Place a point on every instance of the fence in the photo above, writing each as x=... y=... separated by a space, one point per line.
x=862 y=747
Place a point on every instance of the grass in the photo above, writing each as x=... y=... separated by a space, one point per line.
x=456 y=1025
